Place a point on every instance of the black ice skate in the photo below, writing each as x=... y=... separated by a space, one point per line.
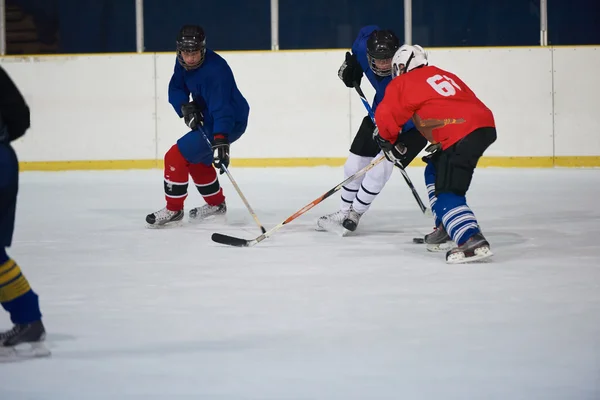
x=208 y=212
x=438 y=240
x=163 y=217
x=475 y=249
x=351 y=221
x=23 y=341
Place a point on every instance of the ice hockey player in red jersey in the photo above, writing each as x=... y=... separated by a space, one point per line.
x=459 y=127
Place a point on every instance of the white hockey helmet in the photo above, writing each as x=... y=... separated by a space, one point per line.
x=407 y=58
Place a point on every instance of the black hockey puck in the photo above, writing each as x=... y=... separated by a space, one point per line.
x=418 y=240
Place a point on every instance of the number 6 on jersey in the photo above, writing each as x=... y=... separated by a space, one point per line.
x=443 y=85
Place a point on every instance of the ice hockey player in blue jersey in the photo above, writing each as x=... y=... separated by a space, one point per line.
x=217 y=109
x=16 y=296
x=371 y=56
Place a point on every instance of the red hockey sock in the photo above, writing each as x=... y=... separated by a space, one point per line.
x=176 y=179
x=207 y=183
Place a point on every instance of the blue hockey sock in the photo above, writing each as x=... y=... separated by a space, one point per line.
x=430 y=182
x=16 y=295
x=458 y=219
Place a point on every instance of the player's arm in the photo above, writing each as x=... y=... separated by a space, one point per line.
x=217 y=94
x=179 y=94
x=355 y=63
x=220 y=107
x=393 y=111
x=13 y=109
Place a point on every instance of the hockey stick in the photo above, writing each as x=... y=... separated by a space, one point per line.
x=425 y=210
x=235 y=185
x=238 y=242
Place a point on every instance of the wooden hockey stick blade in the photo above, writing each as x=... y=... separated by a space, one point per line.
x=231 y=241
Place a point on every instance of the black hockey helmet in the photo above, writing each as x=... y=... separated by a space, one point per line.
x=382 y=45
x=191 y=38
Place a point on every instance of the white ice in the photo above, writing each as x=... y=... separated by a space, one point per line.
x=133 y=313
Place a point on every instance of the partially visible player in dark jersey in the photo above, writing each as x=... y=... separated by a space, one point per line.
x=16 y=296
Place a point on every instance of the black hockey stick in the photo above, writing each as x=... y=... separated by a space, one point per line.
x=425 y=210
x=235 y=185
x=234 y=241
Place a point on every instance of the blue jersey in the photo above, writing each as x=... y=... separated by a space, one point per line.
x=213 y=87
x=379 y=83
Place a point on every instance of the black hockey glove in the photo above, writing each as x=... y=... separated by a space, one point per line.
x=434 y=150
x=350 y=71
x=221 y=146
x=394 y=152
x=192 y=115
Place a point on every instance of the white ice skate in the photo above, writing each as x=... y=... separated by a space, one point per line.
x=332 y=222
x=207 y=212
x=475 y=249
x=164 y=217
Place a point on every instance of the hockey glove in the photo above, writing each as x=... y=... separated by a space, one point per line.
x=433 y=150
x=192 y=115
x=394 y=152
x=221 y=146
x=350 y=71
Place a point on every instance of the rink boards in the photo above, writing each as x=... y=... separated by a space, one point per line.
x=111 y=111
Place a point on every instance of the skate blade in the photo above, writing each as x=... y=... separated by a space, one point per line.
x=208 y=218
x=479 y=254
x=23 y=352
x=434 y=248
x=347 y=232
x=338 y=229
x=168 y=225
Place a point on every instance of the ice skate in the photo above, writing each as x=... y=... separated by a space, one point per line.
x=332 y=222
x=438 y=240
x=475 y=249
x=23 y=341
x=350 y=223
x=164 y=217
x=207 y=212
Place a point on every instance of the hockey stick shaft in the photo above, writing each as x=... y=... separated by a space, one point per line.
x=363 y=98
x=239 y=192
x=232 y=241
x=236 y=187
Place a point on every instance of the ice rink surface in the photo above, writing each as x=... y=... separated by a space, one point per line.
x=135 y=313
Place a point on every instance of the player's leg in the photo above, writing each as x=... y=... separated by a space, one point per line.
x=206 y=179
x=376 y=179
x=454 y=172
x=438 y=240
x=372 y=184
x=176 y=170
x=16 y=296
x=207 y=182
x=362 y=151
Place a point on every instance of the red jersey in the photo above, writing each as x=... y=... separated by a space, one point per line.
x=442 y=106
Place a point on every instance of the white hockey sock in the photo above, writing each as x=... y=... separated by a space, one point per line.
x=353 y=164
x=372 y=185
